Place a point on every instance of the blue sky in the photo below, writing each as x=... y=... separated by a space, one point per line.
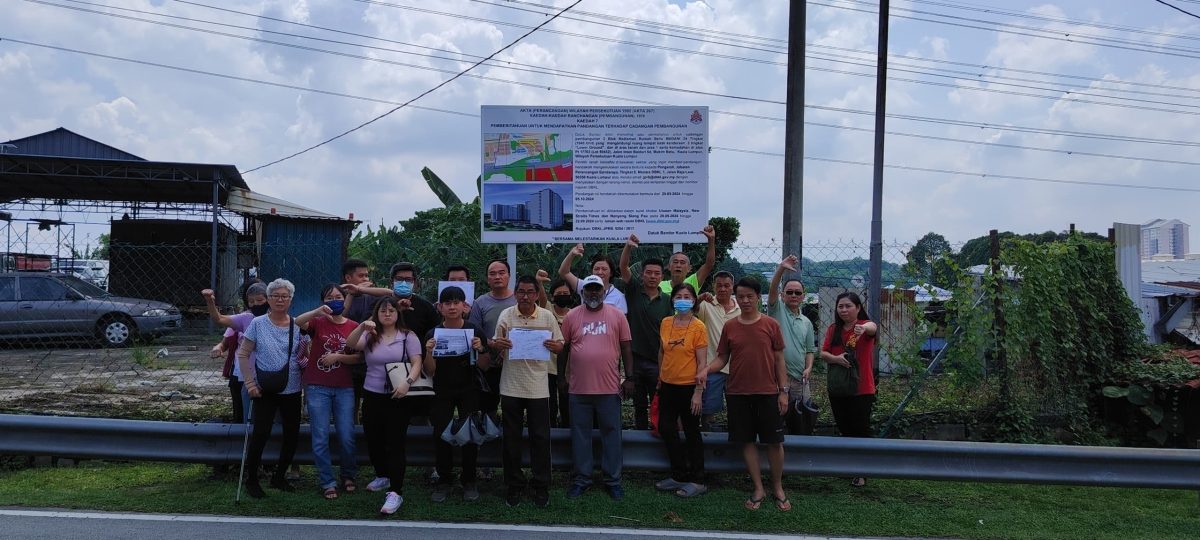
x=375 y=173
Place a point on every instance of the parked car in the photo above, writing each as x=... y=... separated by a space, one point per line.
x=35 y=305
x=93 y=271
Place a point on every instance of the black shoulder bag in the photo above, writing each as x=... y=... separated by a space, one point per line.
x=274 y=382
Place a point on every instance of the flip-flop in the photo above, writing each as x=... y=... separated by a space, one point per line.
x=691 y=489
x=858 y=482
x=783 y=505
x=329 y=493
x=752 y=503
x=348 y=486
x=669 y=484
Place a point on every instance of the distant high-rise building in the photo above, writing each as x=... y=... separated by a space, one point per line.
x=509 y=212
x=545 y=208
x=1165 y=237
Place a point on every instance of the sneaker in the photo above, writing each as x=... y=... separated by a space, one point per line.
x=577 y=490
x=440 y=492
x=470 y=492
x=293 y=473
x=541 y=499
x=434 y=477
x=379 y=484
x=254 y=490
x=513 y=499
x=616 y=492
x=391 y=503
x=485 y=473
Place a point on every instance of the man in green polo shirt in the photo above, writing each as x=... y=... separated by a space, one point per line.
x=679 y=265
x=648 y=306
x=799 y=346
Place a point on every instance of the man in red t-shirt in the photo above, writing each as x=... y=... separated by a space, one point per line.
x=756 y=391
x=598 y=336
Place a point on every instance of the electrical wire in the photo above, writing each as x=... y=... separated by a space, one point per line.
x=962 y=123
x=968 y=173
x=419 y=96
x=1179 y=9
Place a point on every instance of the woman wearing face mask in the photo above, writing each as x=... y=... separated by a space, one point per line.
x=683 y=361
x=330 y=389
x=254 y=298
x=560 y=302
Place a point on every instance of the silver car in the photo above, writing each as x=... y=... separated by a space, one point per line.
x=36 y=305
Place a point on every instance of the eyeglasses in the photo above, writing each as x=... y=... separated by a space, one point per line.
x=794 y=293
x=525 y=293
x=281 y=297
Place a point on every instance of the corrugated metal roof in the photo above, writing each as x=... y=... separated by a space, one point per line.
x=62 y=142
x=250 y=203
x=1178 y=270
x=1156 y=290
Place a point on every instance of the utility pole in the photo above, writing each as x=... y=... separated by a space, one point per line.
x=876 y=268
x=793 y=153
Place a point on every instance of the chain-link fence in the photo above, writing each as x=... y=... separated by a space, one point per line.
x=120 y=328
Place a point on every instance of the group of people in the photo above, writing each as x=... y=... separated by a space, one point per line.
x=659 y=342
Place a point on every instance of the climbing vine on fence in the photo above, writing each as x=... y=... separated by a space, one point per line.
x=1069 y=327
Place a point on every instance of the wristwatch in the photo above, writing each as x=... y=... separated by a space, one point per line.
x=785 y=390
x=410 y=381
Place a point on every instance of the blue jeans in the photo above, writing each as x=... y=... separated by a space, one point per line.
x=324 y=402
x=714 y=394
x=607 y=409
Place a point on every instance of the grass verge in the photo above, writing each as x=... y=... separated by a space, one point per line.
x=821 y=505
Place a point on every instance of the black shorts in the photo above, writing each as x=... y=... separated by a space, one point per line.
x=754 y=417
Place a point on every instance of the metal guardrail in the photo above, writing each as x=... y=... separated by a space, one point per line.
x=102 y=438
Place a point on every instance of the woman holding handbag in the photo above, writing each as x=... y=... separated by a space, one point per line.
x=270 y=360
x=849 y=349
x=393 y=357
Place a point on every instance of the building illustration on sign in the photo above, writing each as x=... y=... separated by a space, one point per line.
x=542 y=210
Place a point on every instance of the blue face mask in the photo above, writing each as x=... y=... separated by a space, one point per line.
x=402 y=288
x=682 y=305
x=336 y=305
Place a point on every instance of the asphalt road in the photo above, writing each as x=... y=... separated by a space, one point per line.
x=68 y=525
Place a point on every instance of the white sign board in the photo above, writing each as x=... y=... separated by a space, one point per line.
x=594 y=174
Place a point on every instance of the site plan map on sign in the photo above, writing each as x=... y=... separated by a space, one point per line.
x=527 y=157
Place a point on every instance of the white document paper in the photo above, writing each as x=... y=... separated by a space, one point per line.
x=529 y=344
x=468 y=288
x=452 y=341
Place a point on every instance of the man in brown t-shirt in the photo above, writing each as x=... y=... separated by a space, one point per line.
x=756 y=390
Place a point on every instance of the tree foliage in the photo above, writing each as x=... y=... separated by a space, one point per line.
x=927 y=261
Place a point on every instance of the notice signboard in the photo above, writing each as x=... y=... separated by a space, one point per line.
x=594 y=174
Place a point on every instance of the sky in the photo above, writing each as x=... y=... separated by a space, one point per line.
x=724 y=54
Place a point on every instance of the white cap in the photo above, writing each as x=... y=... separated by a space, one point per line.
x=591 y=280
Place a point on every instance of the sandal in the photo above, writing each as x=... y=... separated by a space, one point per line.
x=329 y=493
x=348 y=485
x=858 y=482
x=752 y=503
x=783 y=505
x=670 y=484
x=691 y=489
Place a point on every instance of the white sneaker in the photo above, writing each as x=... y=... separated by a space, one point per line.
x=391 y=503
x=379 y=484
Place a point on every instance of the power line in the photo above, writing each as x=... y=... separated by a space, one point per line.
x=1135 y=46
x=1179 y=9
x=960 y=123
x=739 y=150
x=968 y=173
x=394 y=62
x=516 y=66
x=419 y=96
x=1044 y=18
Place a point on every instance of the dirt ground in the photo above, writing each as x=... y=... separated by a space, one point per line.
x=167 y=379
